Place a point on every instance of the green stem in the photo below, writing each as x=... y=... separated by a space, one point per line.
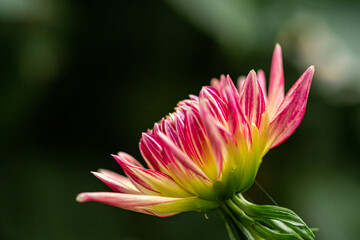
x=237 y=219
x=230 y=226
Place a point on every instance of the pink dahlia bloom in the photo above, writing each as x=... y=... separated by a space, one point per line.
x=210 y=148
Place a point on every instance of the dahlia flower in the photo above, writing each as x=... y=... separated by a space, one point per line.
x=208 y=152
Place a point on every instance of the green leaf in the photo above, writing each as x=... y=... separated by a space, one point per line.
x=268 y=233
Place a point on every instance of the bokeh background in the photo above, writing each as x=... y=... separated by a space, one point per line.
x=80 y=80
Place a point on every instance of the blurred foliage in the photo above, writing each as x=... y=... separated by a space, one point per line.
x=83 y=79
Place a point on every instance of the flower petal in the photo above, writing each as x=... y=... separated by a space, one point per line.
x=153 y=205
x=240 y=83
x=195 y=136
x=151 y=151
x=150 y=181
x=291 y=111
x=117 y=177
x=215 y=138
x=235 y=115
x=216 y=105
x=227 y=83
x=262 y=81
x=129 y=159
x=123 y=186
x=252 y=99
x=182 y=158
x=170 y=131
x=276 y=86
x=237 y=123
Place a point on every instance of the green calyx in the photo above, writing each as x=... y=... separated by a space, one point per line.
x=248 y=221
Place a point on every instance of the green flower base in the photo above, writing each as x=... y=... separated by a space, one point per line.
x=248 y=221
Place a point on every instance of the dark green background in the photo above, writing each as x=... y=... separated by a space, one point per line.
x=82 y=79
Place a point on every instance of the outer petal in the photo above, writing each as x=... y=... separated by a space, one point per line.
x=262 y=81
x=235 y=116
x=276 y=86
x=129 y=159
x=291 y=110
x=182 y=159
x=153 y=205
x=151 y=151
x=215 y=83
x=215 y=138
x=151 y=181
x=193 y=97
x=194 y=136
x=238 y=124
x=216 y=105
x=227 y=83
x=171 y=132
x=198 y=144
x=123 y=186
x=117 y=177
x=220 y=86
x=240 y=83
x=252 y=99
